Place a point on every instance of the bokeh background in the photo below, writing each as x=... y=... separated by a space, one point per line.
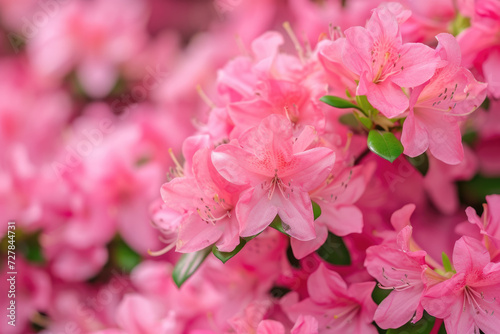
x=96 y=97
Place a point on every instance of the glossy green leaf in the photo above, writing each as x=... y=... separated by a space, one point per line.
x=384 y=144
x=350 y=120
x=334 y=251
x=423 y=326
x=338 y=102
x=188 y=264
x=421 y=163
x=123 y=256
x=367 y=123
x=316 y=210
x=225 y=256
x=365 y=106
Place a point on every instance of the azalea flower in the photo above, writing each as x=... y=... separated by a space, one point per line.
x=278 y=170
x=468 y=301
x=437 y=107
x=337 y=307
x=384 y=64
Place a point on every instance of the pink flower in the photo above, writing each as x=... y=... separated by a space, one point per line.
x=469 y=300
x=207 y=201
x=437 y=107
x=278 y=171
x=337 y=307
x=384 y=64
x=339 y=214
x=401 y=270
x=488 y=224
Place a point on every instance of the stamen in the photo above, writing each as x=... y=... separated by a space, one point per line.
x=295 y=41
x=179 y=170
x=204 y=97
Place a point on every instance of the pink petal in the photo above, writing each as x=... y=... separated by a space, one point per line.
x=398 y=308
x=179 y=193
x=401 y=218
x=342 y=220
x=305 y=324
x=255 y=211
x=230 y=237
x=237 y=165
x=303 y=248
x=491 y=68
x=445 y=139
x=418 y=63
x=324 y=285
x=297 y=215
x=387 y=97
x=356 y=51
x=270 y=327
x=196 y=234
x=469 y=254
x=310 y=168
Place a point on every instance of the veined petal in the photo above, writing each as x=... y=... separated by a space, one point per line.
x=180 y=193
x=388 y=98
x=196 y=234
x=324 y=286
x=469 y=254
x=417 y=64
x=255 y=211
x=296 y=213
x=237 y=165
x=415 y=139
x=303 y=248
x=342 y=220
x=356 y=51
x=398 y=308
x=310 y=168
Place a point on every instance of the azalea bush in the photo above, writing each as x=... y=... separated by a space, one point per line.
x=244 y=166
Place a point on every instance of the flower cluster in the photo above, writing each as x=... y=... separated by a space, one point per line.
x=324 y=171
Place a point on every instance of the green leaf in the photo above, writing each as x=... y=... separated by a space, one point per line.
x=379 y=294
x=446 y=262
x=472 y=192
x=225 y=256
x=124 y=256
x=334 y=251
x=188 y=264
x=423 y=326
x=316 y=210
x=278 y=224
x=384 y=144
x=350 y=120
x=338 y=102
x=367 y=123
x=364 y=104
x=421 y=163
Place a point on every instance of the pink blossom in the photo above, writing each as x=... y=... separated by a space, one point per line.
x=488 y=224
x=207 y=202
x=402 y=271
x=339 y=214
x=437 y=107
x=384 y=64
x=278 y=170
x=468 y=301
x=336 y=307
